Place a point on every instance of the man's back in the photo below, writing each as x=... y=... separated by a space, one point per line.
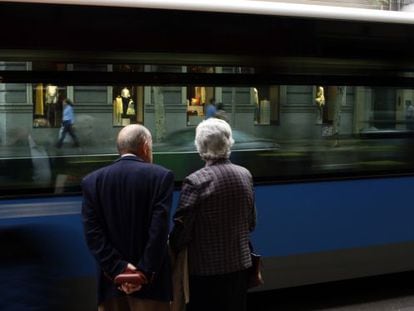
x=126 y=213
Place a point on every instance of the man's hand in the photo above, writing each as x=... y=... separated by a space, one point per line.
x=129 y=287
x=130 y=267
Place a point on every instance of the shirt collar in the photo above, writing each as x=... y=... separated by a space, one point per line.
x=217 y=161
x=130 y=156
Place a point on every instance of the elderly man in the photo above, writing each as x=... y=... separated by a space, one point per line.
x=125 y=210
x=215 y=215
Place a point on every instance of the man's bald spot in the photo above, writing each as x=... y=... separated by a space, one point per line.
x=132 y=137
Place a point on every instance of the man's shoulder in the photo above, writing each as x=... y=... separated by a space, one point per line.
x=159 y=170
x=94 y=174
x=104 y=170
x=148 y=168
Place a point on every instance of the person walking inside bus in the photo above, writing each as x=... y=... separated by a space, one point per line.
x=215 y=215
x=125 y=210
x=67 y=123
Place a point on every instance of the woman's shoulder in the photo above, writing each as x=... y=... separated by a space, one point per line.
x=200 y=176
x=240 y=169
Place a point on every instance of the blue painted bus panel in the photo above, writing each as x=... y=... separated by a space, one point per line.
x=324 y=216
x=292 y=219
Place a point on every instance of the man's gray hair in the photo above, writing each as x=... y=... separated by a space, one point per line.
x=131 y=137
x=214 y=139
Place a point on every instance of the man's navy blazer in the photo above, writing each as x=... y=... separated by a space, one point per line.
x=126 y=213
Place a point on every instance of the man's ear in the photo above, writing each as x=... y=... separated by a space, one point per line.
x=145 y=149
x=147 y=152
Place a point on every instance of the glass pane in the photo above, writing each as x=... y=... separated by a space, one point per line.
x=281 y=132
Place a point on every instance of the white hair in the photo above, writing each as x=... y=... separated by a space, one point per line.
x=214 y=139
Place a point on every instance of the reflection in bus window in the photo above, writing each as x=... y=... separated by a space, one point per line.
x=266 y=100
x=48 y=105
x=199 y=97
x=126 y=104
x=354 y=129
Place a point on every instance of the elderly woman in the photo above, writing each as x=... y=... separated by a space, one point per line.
x=215 y=215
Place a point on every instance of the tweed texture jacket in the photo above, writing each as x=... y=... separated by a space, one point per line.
x=215 y=214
